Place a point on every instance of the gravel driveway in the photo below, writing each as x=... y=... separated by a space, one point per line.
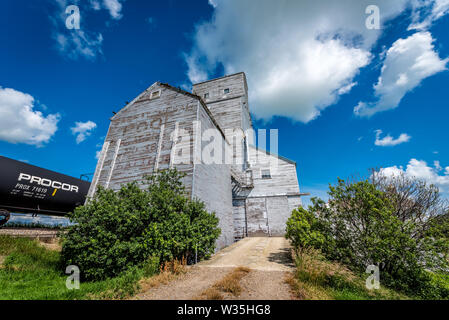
x=269 y=261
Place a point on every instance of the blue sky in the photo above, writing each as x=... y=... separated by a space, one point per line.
x=313 y=69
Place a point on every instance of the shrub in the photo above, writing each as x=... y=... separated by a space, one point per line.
x=400 y=226
x=302 y=230
x=115 y=231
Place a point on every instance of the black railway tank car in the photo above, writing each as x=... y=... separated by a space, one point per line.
x=25 y=188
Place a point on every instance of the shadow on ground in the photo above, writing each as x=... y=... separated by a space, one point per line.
x=282 y=257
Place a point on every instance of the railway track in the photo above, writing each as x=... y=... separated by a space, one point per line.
x=39 y=234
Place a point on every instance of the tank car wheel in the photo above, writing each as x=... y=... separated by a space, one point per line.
x=4 y=217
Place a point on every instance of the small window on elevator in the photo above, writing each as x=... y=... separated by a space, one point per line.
x=155 y=94
x=266 y=174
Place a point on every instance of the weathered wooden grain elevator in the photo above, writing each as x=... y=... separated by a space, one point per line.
x=207 y=135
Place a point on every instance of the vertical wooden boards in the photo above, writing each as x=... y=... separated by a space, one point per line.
x=111 y=170
x=278 y=214
x=283 y=179
x=93 y=186
x=146 y=132
x=212 y=184
x=257 y=217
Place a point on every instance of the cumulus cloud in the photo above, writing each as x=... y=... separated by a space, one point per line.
x=407 y=63
x=420 y=170
x=82 y=130
x=426 y=12
x=20 y=123
x=389 y=141
x=299 y=56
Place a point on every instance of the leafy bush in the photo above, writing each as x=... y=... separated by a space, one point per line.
x=399 y=225
x=115 y=231
x=302 y=230
x=438 y=287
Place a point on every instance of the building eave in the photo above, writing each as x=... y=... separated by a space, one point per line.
x=273 y=155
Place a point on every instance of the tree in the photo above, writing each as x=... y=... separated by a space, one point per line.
x=420 y=207
x=389 y=223
x=115 y=231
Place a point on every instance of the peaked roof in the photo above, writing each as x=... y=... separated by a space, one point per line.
x=134 y=101
x=273 y=155
x=179 y=90
x=221 y=78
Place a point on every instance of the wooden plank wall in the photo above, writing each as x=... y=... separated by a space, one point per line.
x=283 y=180
x=141 y=139
x=212 y=184
x=231 y=110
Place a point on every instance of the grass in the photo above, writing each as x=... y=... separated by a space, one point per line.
x=230 y=284
x=168 y=272
x=318 y=279
x=29 y=271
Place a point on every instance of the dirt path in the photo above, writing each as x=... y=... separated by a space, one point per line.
x=268 y=259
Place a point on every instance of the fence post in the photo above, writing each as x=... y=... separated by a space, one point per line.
x=196 y=253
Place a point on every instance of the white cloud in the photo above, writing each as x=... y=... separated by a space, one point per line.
x=213 y=3
x=79 y=44
x=389 y=141
x=114 y=7
x=426 y=12
x=82 y=130
x=299 y=56
x=74 y=43
x=19 y=123
x=407 y=63
x=346 y=89
x=95 y=4
x=420 y=170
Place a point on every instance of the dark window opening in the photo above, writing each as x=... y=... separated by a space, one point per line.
x=155 y=94
x=226 y=91
x=266 y=174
